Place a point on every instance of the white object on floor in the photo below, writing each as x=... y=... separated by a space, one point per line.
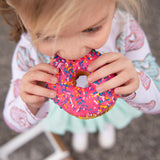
x=80 y=141
x=107 y=138
x=23 y=138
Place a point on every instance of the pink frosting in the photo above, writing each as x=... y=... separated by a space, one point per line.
x=78 y=101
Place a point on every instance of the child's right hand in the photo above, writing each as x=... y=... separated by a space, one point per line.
x=32 y=89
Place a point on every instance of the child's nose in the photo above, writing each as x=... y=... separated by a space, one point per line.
x=71 y=49
x=73 y=52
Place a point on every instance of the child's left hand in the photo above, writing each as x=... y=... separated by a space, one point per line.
x=126 y=79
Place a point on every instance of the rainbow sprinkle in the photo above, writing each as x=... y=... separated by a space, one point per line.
x=80 y=102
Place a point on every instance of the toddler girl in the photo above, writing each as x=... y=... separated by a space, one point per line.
x=71 y=29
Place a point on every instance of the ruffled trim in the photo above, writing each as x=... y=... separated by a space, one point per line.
x=59 y=121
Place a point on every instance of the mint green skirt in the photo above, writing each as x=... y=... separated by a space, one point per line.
x=59 y=121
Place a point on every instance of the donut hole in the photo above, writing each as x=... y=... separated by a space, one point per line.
x=81 y=79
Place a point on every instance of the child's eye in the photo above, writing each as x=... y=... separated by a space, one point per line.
x=94 y=29
x=49 y=38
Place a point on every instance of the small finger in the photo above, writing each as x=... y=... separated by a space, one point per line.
x=116 y=81
x=126 y=89
x=39 y=91
x=102 y=60
x=105 y=71
x=41 y=76
x=46 y=68
x=32 y=99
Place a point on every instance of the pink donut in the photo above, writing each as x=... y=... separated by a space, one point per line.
x=81 y=102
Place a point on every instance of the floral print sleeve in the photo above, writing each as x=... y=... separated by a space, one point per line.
x=133 y=43
x=16 y=114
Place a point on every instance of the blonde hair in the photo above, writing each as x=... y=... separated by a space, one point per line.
x=42 y=13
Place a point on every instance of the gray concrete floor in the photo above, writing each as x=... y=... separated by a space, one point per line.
x=139 y=141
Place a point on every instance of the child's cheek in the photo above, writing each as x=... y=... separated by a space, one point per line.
x=45 y=48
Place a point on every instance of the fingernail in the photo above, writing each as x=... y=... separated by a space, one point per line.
x=52 y=95
x=89 y=68
x=54 y=80
x=99 y=89
x=90 y=79
x=55 y=70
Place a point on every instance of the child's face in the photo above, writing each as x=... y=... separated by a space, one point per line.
x=89 y=31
